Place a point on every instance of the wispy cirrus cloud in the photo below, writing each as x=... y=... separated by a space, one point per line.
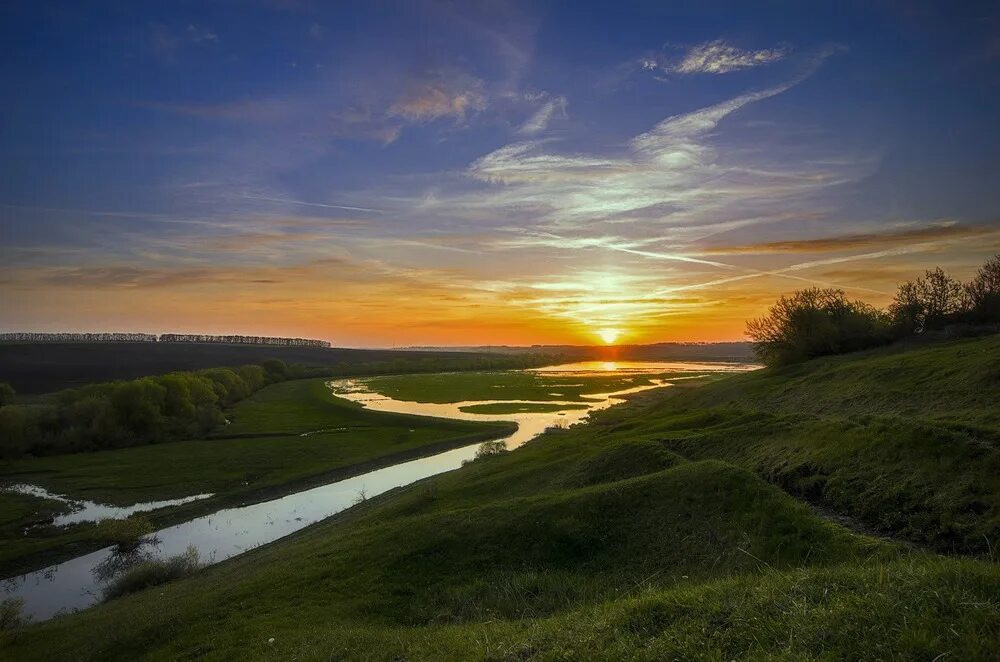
x=540 y=119
x=938 y=232
x=440 y=95
x=719 y=57
x=673 y=171
x=654 y=203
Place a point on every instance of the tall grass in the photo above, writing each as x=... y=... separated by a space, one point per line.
x=152 y=572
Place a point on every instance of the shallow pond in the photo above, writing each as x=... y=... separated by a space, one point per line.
x=77 y=583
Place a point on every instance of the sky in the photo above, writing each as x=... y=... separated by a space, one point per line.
x=472 y=173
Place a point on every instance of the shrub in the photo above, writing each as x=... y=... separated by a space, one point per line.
x=152 y=573
x=489 y=449
x=816 y=322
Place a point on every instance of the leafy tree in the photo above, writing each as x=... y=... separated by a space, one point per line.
x=276 y=369
x=927 y=303
x=984 y=292
x=815 y=322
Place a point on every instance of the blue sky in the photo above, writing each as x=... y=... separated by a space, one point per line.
x=458 y=172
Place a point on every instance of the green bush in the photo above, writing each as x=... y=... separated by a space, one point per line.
x=178 y=405
x=489 y=449
x=152 y=573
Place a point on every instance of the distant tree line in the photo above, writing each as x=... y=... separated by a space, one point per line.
x=183 y=405
x=178 y=405
x=77 y=337
x=243 y=340
x=166 y=337
x=817 y=322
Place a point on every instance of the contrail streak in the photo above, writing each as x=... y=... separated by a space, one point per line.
x=313 y=204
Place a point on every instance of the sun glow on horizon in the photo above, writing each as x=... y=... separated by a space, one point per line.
x=609 y=336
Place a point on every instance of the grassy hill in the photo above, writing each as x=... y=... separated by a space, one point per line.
x=907 y=441
x=669 y=528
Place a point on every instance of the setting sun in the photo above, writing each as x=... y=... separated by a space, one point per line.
x=609 y=336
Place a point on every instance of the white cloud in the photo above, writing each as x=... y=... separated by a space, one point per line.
x=718 y=57
x=539 y=121
x=440 y=97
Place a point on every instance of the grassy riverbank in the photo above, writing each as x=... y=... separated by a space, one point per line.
x=510 y=385
x=662 y=530
x=281 y=439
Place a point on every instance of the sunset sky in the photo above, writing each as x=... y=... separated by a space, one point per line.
x=415 y=173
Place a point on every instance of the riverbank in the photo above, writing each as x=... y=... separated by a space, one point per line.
x=265 y=460
x=609 y=541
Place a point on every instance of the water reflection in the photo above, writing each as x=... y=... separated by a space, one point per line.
x=529 y=424
x=601 y=368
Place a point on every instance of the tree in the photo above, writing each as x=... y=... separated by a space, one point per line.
x=927 y=303
x=6 y=394
x=815 y=322
x=984 y=292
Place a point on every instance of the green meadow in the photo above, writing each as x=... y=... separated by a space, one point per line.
x=844 y=508
x=500 y=408
x=506 y=385
x=283 y=438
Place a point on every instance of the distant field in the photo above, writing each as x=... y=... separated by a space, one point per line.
x=505 y=385
x=517 y=407
x=263 y=454
x=45 y=367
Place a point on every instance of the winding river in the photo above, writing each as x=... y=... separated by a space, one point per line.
x=77 y=583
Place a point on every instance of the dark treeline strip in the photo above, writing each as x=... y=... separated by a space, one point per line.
x=166 y=337
x=181 y=405
x=242 y=340
x=27 y=336
x=818 y=322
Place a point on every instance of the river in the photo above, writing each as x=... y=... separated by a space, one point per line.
x=77 y=583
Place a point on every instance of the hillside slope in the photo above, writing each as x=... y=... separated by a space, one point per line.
x=907 y=441
x=659 y=531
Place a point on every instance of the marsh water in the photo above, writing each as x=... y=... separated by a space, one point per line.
x=77 y=583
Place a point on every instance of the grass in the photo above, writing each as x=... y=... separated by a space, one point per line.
x=262 y=455
x=152 y=572
x=658 y=531
x=499 y=408
x=906 y=441
x=504 y=385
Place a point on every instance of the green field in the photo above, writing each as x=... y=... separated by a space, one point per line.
x=674 y=527
x=499 y=408
x=505 y=385
x=261 y=454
